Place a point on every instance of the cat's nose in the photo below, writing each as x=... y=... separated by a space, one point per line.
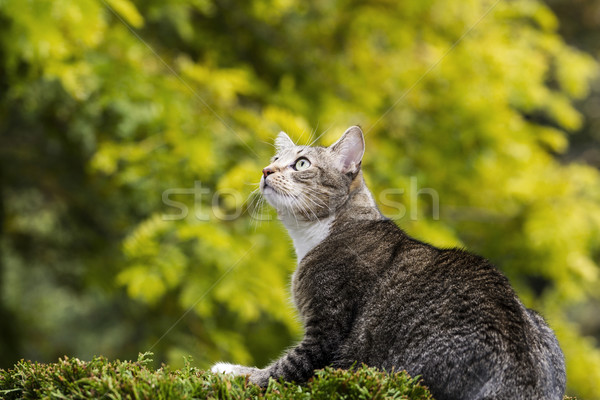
x=267 y=171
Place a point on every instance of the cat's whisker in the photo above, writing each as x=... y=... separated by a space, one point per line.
x=270 y=144
x=315 y=200
x=313 y=132
x=252 y=209
x=252 y=201
x=309 y=209
x=321 y=135
x=305 y=206
x=301 y=207
x=317 y=205
x=255 y=205
x=301 y=136
x=258 y=206
x=260 y=215
x=312 y=189
x=304 y=200
x=313 y=192
x=251 y=197
x=261 y=209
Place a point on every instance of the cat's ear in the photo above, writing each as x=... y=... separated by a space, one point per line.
x=349 y=150
x=283 y=141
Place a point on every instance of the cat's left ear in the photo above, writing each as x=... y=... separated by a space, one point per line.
x=349 y=150
x=283 y=141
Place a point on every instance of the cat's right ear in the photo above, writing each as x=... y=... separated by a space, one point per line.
x=283 y=142
x=349 y=150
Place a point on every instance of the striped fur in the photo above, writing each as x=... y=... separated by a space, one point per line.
x=369 y=293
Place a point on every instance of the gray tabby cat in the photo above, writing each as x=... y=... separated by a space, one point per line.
x=369 y=293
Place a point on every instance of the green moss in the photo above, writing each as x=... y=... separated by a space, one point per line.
x=71 y=378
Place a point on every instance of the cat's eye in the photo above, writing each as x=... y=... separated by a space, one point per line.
x=301 y=164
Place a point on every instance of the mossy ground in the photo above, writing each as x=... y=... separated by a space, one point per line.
x=71 y=378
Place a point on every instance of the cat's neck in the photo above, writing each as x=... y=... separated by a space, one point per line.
x=307 y=234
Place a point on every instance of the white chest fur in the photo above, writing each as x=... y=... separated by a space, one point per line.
x=307 y=234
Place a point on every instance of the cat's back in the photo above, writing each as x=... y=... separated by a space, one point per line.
x=445 y=314
x=459 y=324
x=423 y=290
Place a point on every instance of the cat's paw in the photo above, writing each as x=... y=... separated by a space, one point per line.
x=226 y=368
x=257 y=376
x=232 y=369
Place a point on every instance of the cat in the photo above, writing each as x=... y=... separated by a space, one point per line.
x=369 y=293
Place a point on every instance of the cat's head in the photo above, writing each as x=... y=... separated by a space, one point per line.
x=310 y=183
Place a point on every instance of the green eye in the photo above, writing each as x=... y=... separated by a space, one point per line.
x=301 y=164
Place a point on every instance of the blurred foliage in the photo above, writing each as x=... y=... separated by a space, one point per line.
x=132 y=135
x=580 y=26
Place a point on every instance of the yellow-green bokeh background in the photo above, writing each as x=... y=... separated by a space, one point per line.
x=105 y=106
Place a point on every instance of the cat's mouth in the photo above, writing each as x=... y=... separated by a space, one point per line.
x=267 y=189
x=271 y=194
x=275 y=196
x=266 y=186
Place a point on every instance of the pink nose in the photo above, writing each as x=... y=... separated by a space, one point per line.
x=267 y=171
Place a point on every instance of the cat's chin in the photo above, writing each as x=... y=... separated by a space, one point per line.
x=272 y=197
x=278 y=202
x=269 y=194
x=267 y=190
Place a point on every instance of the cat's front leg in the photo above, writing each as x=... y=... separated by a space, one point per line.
x=328 y=316
x=256 y=375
